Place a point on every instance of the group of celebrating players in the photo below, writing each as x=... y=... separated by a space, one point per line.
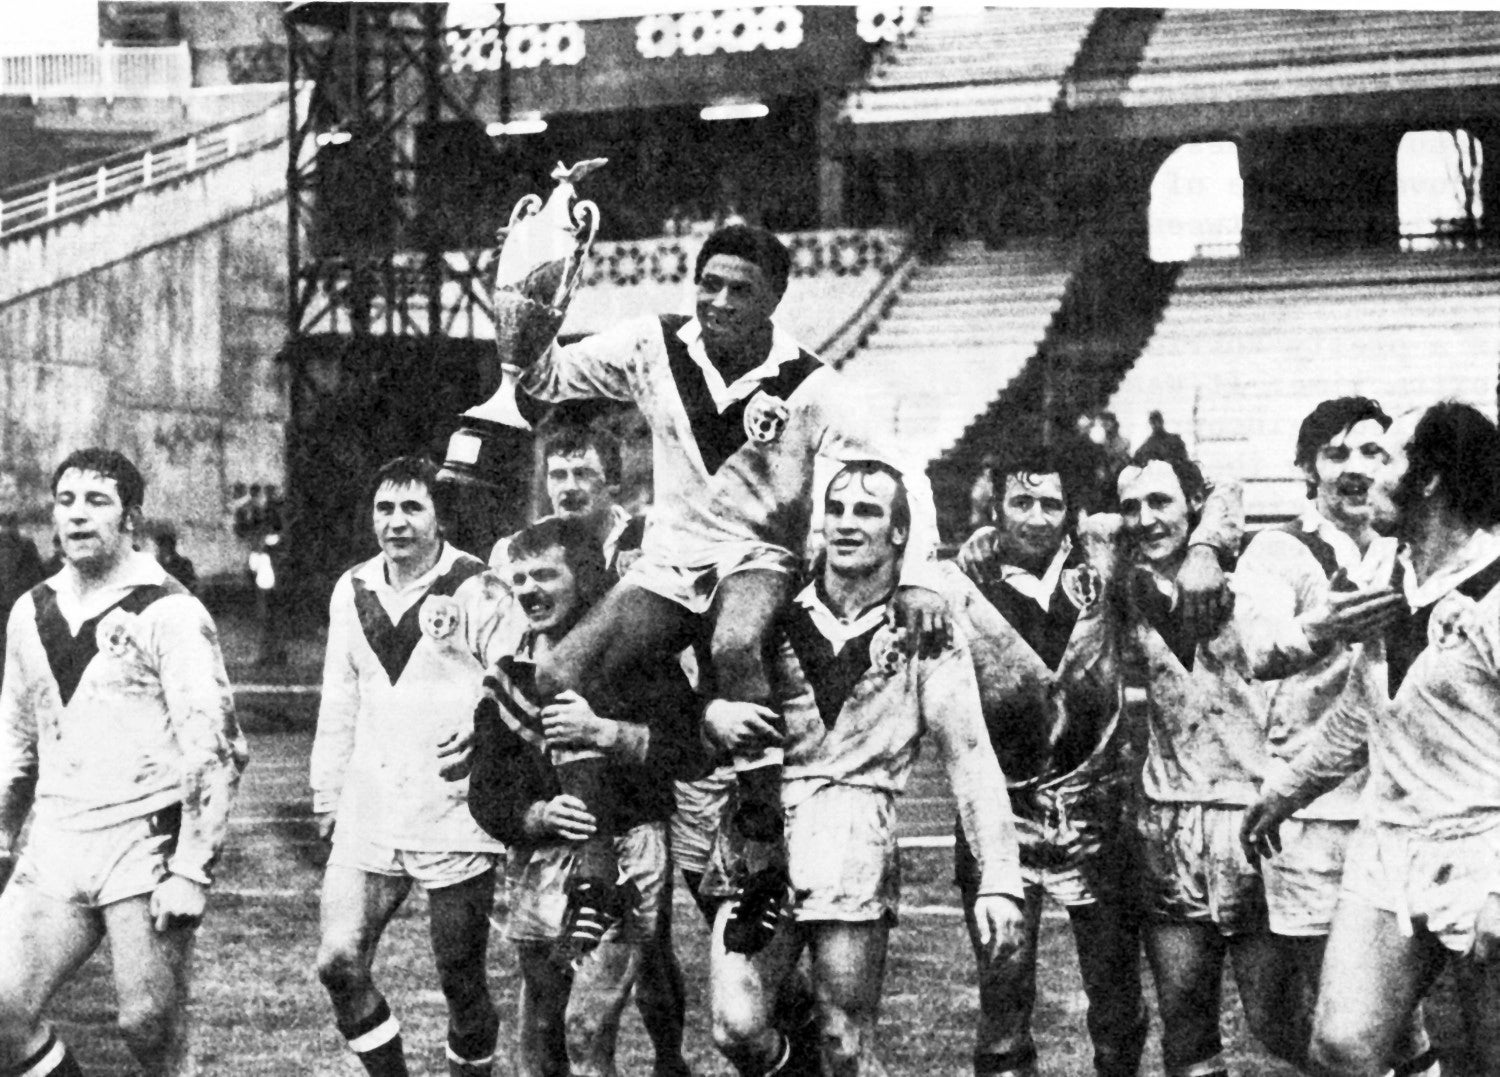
x=1284 y=751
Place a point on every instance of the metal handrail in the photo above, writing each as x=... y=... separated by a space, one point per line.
x=84 y=188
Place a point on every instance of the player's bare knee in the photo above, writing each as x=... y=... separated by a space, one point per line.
x=149 y=1027
x=1336 y=1053
x=584 y=1029
x=843 y=1039
x=341 y=969
x=737 y=1023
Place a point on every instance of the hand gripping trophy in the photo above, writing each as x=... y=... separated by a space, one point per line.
x=540 y=258
x=541 y=254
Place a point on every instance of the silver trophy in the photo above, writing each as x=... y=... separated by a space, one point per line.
x=541 y=255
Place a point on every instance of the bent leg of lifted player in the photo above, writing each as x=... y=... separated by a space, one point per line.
x=1187 y=963
x=1373 y=973
x=745 y=606
x=848 y=959
x=742 y=991
x=357 y=905
x=1007 y=995
x=151 y=970
x=43 y=941
x=628 y=624
x=460 y=928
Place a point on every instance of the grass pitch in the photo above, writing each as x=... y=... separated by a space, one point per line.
x=260 y=1012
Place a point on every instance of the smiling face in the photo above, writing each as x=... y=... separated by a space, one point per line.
x=735 y=303
x=1343 y=472
x=406 y=526
x=546 y=589
x=861 y=536
x=1156 y=513
x=1032 y=516
x=93 y=525
x=575 y=483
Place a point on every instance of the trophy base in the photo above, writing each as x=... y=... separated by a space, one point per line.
x=477 y=455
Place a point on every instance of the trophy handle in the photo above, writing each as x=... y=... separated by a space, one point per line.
x=586 y=221
x=529 y=206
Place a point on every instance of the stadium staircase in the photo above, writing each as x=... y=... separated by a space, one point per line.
x=1107 y=314
x=963 y=327
x=1245 y=350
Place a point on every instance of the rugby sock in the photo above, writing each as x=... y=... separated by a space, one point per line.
x=1425 y=1064
x=1018 y=1063
x=52 y=1059
x=783 y=1059
x=472 y=1054
x=377 y=1041
x=1209 y=1067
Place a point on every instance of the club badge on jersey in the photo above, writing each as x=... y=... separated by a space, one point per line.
x=765 y=417
x=439 y=616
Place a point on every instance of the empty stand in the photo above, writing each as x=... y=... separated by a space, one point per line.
x=963 y=328
x=1220 y=55
x=974 y=62
x=1245 y=350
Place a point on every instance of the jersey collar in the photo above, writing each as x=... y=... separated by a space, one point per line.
x=783 y=350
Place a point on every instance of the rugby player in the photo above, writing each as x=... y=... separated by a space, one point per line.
x=1056 y=725
x=1420 y=876
x=117 y=727
x=581 y=476
x=402 y=673
x=570 y=1010
x=1306 y=598
x=1205 y=750
x=738 y=413
x=856 y=706
x=581 y=472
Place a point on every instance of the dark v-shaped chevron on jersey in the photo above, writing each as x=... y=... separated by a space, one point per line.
x=1407 y=636
x=68 y=656
x=831 y=675
x=1160 y=614
x=720 y=434
x=393 y=642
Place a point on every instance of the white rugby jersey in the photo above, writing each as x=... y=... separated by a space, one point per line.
x=401 y=673
x=856 y=710
x=1280 y=578
x=1433 y=749
x=714 y=482
x=115 y=705
x=1206 y=732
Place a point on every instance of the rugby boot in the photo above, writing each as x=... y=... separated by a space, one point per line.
x=755 y=911
x=593 y=908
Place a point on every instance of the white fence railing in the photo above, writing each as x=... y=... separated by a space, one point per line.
x=41 y=202
x=109 y=71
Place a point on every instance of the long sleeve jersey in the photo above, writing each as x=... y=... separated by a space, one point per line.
x=856 y=710
x=731 y=463
x=116 y=705
x=402 y=671
x=1282 y=576
x=1433 y=747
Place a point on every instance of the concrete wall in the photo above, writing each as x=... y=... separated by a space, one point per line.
x=152 y=327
